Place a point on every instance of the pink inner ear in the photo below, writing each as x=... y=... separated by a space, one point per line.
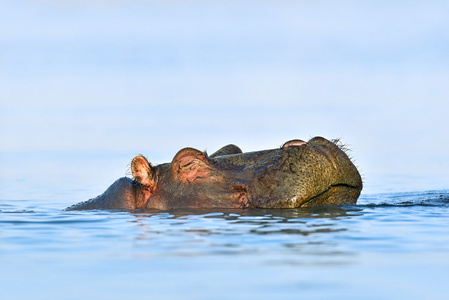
x=141 y=169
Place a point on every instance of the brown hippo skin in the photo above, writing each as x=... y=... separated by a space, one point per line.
x=298 y=174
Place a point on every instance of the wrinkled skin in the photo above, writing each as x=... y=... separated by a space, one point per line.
x=299 y=174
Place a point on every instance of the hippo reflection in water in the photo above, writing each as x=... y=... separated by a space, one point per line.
x=299 y=174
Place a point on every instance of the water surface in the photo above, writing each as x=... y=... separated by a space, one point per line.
x=389 y=246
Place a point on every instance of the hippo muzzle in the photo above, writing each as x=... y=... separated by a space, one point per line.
x=299 y=174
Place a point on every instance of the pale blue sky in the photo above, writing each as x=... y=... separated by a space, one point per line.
x=152 y=77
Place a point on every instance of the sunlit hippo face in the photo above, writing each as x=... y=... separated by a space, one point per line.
x=298 y=174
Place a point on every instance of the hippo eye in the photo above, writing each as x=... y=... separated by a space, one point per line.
x=187 y=164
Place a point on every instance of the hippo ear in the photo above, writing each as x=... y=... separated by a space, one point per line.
x=190 y=165
x=143 y=172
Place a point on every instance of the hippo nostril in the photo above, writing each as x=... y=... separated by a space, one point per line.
x=293 y=143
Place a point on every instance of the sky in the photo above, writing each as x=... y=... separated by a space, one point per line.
x=84 y=84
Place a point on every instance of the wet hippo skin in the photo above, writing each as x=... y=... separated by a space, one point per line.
x=298 y=174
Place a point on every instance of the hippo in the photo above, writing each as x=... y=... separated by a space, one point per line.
x=298 y=174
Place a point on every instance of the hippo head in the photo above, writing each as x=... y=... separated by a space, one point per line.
x=298 y=174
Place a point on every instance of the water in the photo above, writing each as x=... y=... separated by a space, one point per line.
x=389 y=246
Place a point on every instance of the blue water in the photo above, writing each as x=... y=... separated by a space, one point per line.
x=389 y=246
